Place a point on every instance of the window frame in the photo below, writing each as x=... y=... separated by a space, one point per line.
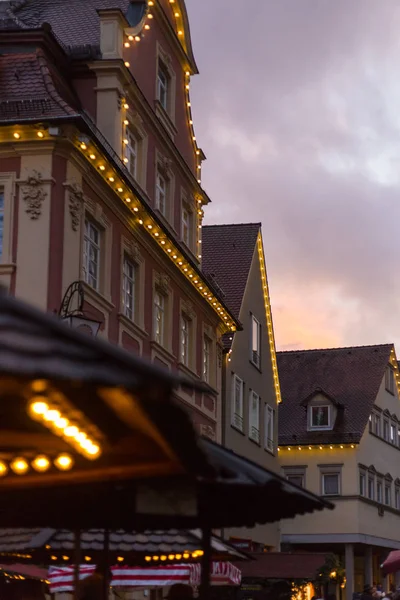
x=185 y=339
x=92 y=225
x=379 y=490
x=327 y=474
x=132 y=151
x=397 y=496
x=363 y=483
x=133 y=280
x=327 y=470
x=371 y=480
x=187 y=225
x=237 y=420
x=162 y=69
x=310 y=417
x=254 y=424
x=160 y=191
x=269 y=419
x=295 y=472
x=386 y=430
x=159 y=309
x=206 y=358
x=255 y=353
x=390 y=385
x=387 y=493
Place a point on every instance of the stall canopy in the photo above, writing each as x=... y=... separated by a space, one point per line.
x=50 y=546
x=392 y=563
x=222 y=573
x=283 y=565
x=92 y=434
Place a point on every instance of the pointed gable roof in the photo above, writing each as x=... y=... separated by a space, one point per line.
x=350 y=375
x=227 y=252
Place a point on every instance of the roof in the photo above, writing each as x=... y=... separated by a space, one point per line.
x=27 y=571
x=28 y=88
x=75 y=23
x=283 y=565
x=41 y=543
x=227 y=252
x=352 y=376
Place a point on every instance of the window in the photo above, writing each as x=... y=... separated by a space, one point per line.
x=393 y=433
x=186 y=226
x=206 y=358
x=269 y=428
x=237 y=404
x=254 y=417
x=388 y=493
x=389 y=379
x=159 y=317
x=377 y=424
x=91 y=255
x=330 y=484
x=255 y=342
x=128 y=288
x=132 y=152
x=379 y=491
x=320 y=417
x=162 y=85
x=386 y=430
x=397 y=498
x=362 y=483
x=295 y=475
x=185 y=340
x=161 y=194
x=1 y=221
x=371 y=487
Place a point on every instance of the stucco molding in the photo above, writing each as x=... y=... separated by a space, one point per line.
x=208 y=431
x=163 y=283
x=33 y=193
x=75 y=203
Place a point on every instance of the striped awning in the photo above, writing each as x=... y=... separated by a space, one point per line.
x=222 y=573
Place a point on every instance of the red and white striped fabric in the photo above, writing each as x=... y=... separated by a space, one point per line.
x=61 y=578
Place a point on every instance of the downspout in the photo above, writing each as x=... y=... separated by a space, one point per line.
x=224 y=401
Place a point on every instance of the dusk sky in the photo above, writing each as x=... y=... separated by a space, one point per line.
x=297 y=108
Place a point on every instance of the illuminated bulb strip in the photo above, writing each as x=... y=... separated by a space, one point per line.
x=186 y=555
x=316 y=447
x=393 y=362
x=41 y=410
x=152 y=229
x=41 y=464
x=268 y=314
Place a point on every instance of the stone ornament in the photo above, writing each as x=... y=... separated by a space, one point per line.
x=166 y=165
x=162 y=282
x=33 y=194
x=75 y=199
x=207 y=431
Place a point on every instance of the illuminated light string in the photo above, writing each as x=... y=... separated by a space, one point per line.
x=184 y=555
x=268 y=314
x=197 y=151
x=41 y=463
x=143 y=219
x=393 y=362
x=316 y=447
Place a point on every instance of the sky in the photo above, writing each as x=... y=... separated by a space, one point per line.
x=297 y=108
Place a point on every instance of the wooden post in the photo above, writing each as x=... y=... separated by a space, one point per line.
x=106 y=564
x=205 y=587
x=77 y=562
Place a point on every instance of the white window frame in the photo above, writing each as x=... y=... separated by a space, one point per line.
x=393 y=433
x=186 y=226
x=254 y=416
x=330 y=474
x=311 y=409
x=390 y=379
x=379 y=490
x=386 y=429
x=206 y=358
x=162 y=194
x=255 y=348
x=159 y=317
x=237 y=417
x=376 y=424
x=132 y=154
x=387 y=500
x=185 y=339
x=129 y=280
x=163 y=85
x=269 y=428
x=397 y=497
x=88 y=245
x=295 y=473
x=371 y=486
x=363 y=483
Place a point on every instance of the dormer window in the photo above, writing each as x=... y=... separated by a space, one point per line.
x=389 y=379
x=320 y=417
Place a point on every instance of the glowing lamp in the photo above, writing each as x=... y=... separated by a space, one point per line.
x=16 y=135
x=39 y=407
x=64 y=462
x=19 y=466
x=147 y=558
x=88 y=558
x=163 y=557
x=41 y=463
x=40 y=134
x=120 y=558
x=186 y=555
x=3 y=468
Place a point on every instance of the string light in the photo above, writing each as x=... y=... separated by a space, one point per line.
x=317 y=447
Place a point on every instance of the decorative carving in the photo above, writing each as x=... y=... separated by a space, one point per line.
x=188 y=309
x=207 y=431
x=162 y=282
x=75 y=205
x=135 y=252
x=166 y=165
x=166 y=59
x=34 y=195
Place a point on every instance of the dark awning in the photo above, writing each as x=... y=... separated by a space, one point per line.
x=283 y=565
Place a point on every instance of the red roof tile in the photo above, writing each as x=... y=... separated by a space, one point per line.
x=27 y=88
x=351 y=376
x=283 y=565
x=227 y=252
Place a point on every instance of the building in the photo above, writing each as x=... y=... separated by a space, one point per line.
x=100 y=179
x=339 y=436
x=233 y=257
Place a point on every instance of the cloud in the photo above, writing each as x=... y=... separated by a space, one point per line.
x=297 y=109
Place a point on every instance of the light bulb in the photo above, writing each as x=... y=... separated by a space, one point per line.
x=41 y=463
x=19 y=466
x=64 y=462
